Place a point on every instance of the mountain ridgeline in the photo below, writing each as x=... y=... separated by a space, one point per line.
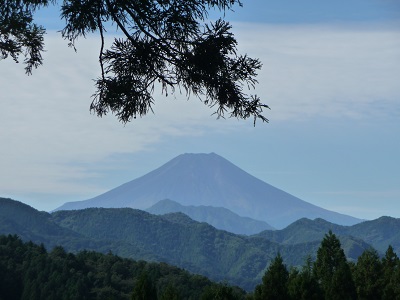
x=211 y=180
x=197 y=247
x=219 y=217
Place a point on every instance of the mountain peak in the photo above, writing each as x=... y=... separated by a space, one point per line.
x=198 y=159
x=209 y=179
x=191 y=155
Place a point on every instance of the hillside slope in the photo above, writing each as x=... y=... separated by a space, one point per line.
x=197 y=247
x=32 y=225
x=173 y=238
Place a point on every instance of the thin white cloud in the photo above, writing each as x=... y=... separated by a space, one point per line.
x=326 y=70
x=46 y=129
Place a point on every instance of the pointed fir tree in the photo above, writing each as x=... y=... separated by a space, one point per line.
x=333 y=271
x=391 y=275
x=274 y=282
x=303 y=285
x=368 y=275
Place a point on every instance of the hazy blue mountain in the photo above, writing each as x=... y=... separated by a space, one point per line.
x=219 y=217
x=210 y=180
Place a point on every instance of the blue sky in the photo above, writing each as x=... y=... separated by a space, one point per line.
x=331 y=73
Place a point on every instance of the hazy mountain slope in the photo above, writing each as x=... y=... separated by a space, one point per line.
x=302 y=231
x=219 y=217
x=209 y=179
x=379 y=233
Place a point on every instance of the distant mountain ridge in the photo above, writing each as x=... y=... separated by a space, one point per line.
x=379 y=233
x=176 y=239
x=211 y=180
x=219 y=217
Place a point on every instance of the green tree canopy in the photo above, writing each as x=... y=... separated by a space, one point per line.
x=274 y=282
x=165 y=42
x=144 y=288
x=391 y=274
x=368 y=275
x=333 y=271
x=303 y=285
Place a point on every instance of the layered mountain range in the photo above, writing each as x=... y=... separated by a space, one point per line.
x=211 y=180
x=219 y=217
x=197 y=247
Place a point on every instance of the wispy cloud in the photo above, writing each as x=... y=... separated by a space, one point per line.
x=48 y=136
x=46 y=128
x=327 y=70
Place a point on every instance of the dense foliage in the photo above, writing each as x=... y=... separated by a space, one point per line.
x=178 y=240
x=28 y=271
x=331 y=276
x=162 y=42
x=19 y=34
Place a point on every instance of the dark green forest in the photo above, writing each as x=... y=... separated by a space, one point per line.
x=197 y=247
x=30 y=271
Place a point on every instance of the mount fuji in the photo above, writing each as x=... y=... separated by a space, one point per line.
x=211 y=180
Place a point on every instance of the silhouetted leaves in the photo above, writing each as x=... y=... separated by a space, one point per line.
x=165 y=43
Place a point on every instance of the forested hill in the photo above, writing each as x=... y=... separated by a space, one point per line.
x=30 y=224
x=379 y=233
x=173 y=238
x=29 y=271
x=178 y=240
x=38 y=226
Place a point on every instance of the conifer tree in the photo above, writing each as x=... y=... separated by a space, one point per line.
x=332 y=270
x=390 y=276
x=274 y=282
x=170 y=293
x=144 y=288
x=368 y=275
x=303 y=285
